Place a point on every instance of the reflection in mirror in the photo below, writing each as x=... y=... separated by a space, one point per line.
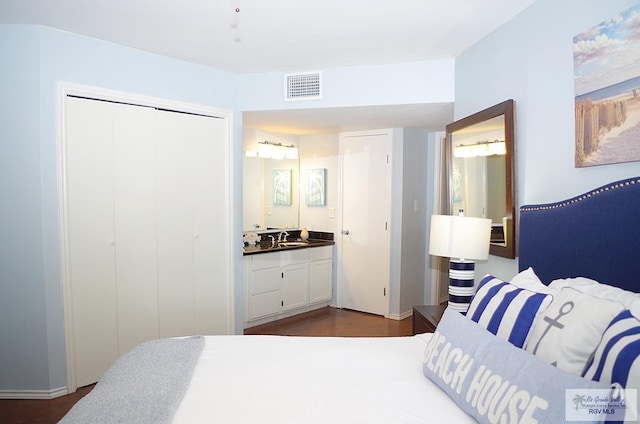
x=478 y=172
x=481 y=172
x=262 y=208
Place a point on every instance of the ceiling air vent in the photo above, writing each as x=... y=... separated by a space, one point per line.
x=303 y=86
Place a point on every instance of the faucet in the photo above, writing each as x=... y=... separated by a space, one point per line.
x=282 y=236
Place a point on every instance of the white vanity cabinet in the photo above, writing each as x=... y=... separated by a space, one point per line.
x=265 y=292
x=320 y=274
x=284 y=283
x=295 y=283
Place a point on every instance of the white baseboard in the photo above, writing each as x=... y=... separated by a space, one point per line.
x=401 y=316
x=34 y=394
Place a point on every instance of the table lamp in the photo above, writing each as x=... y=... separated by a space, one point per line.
x=463 y=240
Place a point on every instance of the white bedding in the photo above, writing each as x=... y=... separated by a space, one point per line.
x=278 y=379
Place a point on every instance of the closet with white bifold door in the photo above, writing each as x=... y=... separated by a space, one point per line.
x=144 y=202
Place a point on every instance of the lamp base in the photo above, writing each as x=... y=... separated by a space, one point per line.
x=461 y=284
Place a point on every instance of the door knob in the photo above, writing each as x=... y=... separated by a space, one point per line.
x=345 y=232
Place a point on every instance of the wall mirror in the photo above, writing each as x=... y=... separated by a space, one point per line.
x=270 y=200
x=481 y=172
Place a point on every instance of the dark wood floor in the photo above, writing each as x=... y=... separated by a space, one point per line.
x=39 y=411
x=335 y=322
x=322 y=322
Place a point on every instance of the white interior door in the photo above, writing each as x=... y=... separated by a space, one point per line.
x=364 y=256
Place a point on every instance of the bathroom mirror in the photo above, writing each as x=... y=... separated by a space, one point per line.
x=270 y=193
x=481 y=172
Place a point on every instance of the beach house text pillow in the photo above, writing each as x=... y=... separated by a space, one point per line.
x=492 y=380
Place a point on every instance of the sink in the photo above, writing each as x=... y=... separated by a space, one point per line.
x=292 y=243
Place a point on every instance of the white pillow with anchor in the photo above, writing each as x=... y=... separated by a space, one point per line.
x=569 y=330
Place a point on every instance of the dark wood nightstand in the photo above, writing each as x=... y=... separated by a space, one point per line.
x=427 y=317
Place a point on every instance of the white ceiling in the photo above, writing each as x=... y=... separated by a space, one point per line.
x=284 y=35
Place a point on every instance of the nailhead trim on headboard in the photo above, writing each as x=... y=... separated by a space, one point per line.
x=582 y=197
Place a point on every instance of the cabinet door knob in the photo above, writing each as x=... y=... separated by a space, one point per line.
x=345 y=232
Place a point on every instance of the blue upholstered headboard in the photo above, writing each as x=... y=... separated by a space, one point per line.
x=594 y=235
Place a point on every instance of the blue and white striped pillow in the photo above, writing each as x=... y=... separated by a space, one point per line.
x=506 y=310
x=617 y=357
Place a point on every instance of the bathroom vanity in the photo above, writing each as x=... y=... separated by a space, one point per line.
x=286 y=278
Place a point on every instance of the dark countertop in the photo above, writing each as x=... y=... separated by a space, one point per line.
x=269 y=246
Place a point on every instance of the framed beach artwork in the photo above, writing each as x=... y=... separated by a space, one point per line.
x=606 y=61
x=316 y=193
x=282 y=187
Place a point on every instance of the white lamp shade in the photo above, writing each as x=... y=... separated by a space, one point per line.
x=460 y=237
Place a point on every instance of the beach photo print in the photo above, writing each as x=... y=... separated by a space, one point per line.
x=606 y=62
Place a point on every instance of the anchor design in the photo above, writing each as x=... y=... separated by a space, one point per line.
x=555 y=322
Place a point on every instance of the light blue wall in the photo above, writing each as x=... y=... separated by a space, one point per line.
x=407 y=83
x=34 y=58
x=23 y=324
x=530 y=60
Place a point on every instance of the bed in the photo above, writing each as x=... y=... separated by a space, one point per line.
x=475 y=368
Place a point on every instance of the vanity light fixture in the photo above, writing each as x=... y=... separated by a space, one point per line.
x=481 y=148
x=462 y=239
x=271 y=150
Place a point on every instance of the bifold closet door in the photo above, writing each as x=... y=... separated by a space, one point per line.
x=135 y=224
x=211 y=178
x=111 y=207
x=91 y=238
x=191 y=181
x=145 y=212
